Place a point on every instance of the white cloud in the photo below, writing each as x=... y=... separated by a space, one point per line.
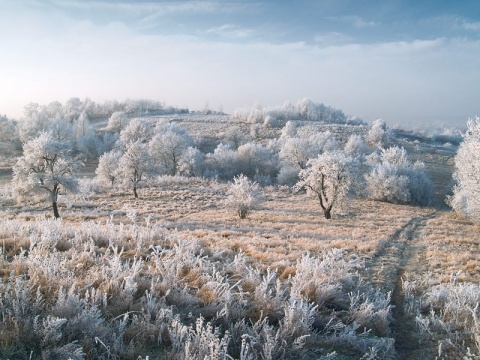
x=230 y=31
x=332 y=38
x=472 y=26
x=355 y=20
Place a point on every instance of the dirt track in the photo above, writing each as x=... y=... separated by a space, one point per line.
x=399 y=255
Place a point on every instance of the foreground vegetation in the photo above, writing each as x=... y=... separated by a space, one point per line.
x=172 y=275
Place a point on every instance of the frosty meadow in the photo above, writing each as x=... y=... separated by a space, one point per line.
x=132 y=230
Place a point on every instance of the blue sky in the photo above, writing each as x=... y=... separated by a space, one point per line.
x=407 y=62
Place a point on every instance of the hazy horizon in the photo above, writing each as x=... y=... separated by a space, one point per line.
x=408 y=63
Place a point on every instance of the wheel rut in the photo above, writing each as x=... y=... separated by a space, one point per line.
x=387 y=268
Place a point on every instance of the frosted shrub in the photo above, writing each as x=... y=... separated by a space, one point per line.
x=326 y=280
x=356 y=145
x=395 y=179
x=223 y=163
x=449 y=313
x=137 y=130
x=192 y=162
x=6 y=195
x=288 y=175
x=242 y=196
x=205 y=342
x=371 y=311
x=257 y=160
x=234 y=137
x=385 y=184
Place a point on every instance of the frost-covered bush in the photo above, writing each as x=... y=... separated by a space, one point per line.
x=9 y=137
x=356 y=146
x=250 y=159
x=448 y=313
x=384 y=183
x=288 y=175
x=223 y=163
x=242 y=196
x=394 y=178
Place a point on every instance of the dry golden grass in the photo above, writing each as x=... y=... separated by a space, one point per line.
x=451 y=244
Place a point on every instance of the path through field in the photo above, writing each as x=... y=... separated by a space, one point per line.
x=398 y=256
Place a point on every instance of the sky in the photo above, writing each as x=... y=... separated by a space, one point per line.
x=412 y=62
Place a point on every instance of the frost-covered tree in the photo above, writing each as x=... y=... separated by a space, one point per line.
x=136 y=130
x=191 y=163
x=35 y=122
x=168 y=146
x=117 y=121
x=296 y=151
x=107 y=169
x=289 y=130
x=328 y=178
x=62 y=130
x=82 y=126
x=242 y=196
x=46 y=166
x=234 y=137
x=135 y=166
x=379 y=134
x=385 y=183
x=466 y=192
x=9 y=138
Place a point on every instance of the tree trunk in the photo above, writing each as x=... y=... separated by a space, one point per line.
x=327 y=213
x=55 y=210
x=54 y=197
x=135 y=192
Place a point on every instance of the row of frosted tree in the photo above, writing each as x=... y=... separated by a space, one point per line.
x=134 y=151
x=72 y=121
